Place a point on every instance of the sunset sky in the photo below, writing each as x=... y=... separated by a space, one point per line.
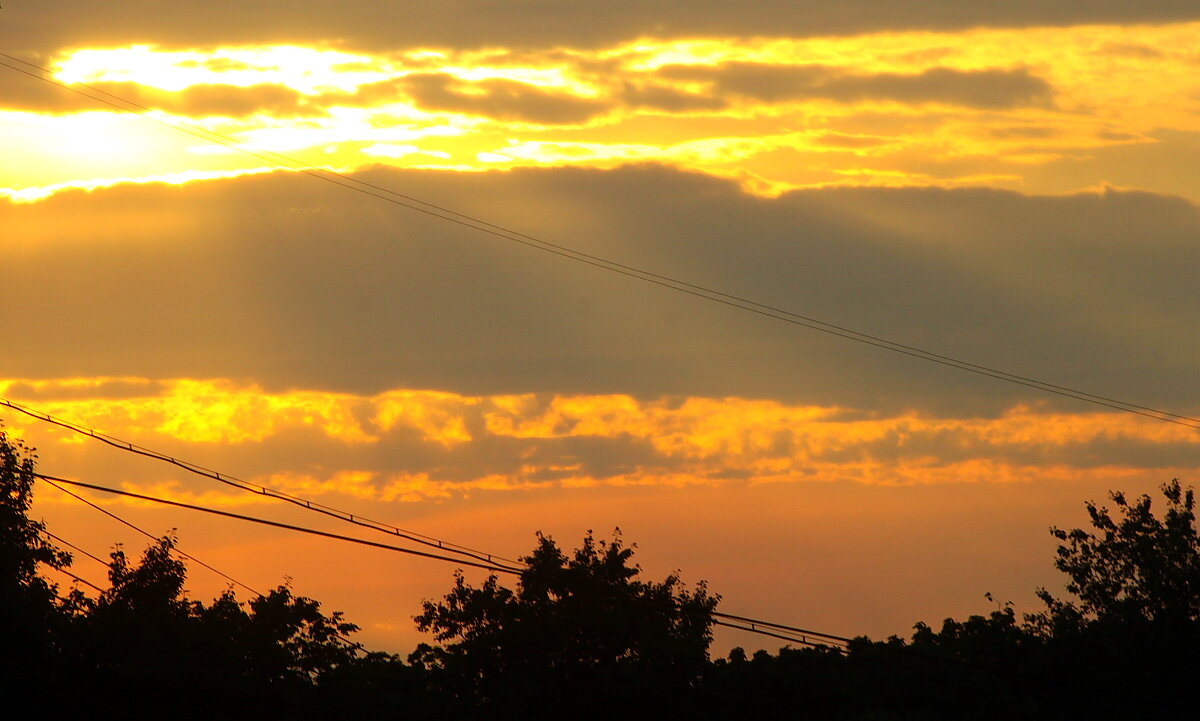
x=1011 y=184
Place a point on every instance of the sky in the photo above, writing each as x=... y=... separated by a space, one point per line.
x=1009 y=184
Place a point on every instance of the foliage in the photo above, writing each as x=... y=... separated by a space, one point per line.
x=29 y=612
x=24 y=543
x=579 y=632
x=142 y=645
x=266 y=656
x=582 y=636
x=1136 y=568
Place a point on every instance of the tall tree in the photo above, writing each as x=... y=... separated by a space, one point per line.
x=1136 y=567
x=264 y=657
x=1128 y=639
x=29 y=604
x=580 y=636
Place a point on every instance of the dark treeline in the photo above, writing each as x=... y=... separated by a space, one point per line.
x=581 y=636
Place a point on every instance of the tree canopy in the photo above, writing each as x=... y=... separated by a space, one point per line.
x=582 y=635
x=579 y=632
x=1133 y=568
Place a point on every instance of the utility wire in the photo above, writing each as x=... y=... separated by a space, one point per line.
x=79 y=579
x=276 y=524
x=142 y=531
x=821 y=639
x=902 y=656
x=236 y=482
x=828 y=639
x=353 y=644
x=675 y=284
x=764 y=629
x=807 y=637
x=68 y=544
x=750 y=624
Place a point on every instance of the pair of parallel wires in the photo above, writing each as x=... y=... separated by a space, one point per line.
x=951 y=667
x=447 y=551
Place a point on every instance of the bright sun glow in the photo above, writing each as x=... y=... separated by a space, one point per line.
x=1014 y=108
x=308 y=70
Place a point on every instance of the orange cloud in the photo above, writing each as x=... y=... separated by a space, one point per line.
x=440 y=417
x=201 y=411
x=463 y=445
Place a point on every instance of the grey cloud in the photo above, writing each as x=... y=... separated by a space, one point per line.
x=775 y=83
x=979 y=88
x=661 y=97
x=291 y=283
x=201 y=100
x=770 y=83
x=24 y=93
x=496 y=98
x=842 y=140
x=1122 y=137
x=1023 y=131
x=48 y=25
x=957 y=446
x=109 y=389
x=1132 y=50
x=195 y=101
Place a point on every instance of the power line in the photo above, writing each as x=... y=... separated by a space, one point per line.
x=948 y=666
x=276 y=524
x=142 y=531
x=635 y=272
x=752 y=625
x=826 y=638
x=765 y=629
x=742 y=623
x=353 y=644
x=793 y=634
x=79 y=578
x=68 y=544
x=63 y=570
x=260 y=489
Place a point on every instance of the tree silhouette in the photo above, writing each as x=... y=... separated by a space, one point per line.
x=264 y=657
x=29 y=604
x=142 y=646
x=582 y=636
x=579 y=637
x=1133 y=626
x=1132 y=569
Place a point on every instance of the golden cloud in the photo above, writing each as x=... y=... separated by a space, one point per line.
x=1002 y=100
x=496 y=444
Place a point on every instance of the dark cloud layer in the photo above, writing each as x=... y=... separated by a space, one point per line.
x=511 y=100
x=776 y=83
x=49 y=25
x=661 y=97
x=28 y=94
x=294 y=283
x=501 y=99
